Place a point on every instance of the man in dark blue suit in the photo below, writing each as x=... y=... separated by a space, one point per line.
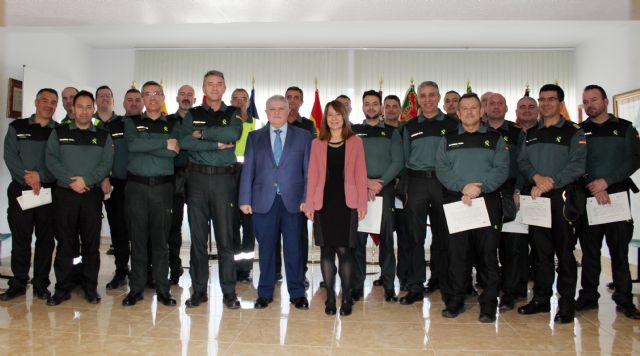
x=272 y=188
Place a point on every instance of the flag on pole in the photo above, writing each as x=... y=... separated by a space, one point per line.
x=163 y=109
x=410 y=104
x=252 y=112
x=316 y=111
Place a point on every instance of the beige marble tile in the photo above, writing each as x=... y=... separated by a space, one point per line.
x=289 y=332
x=240 y=349
x=380 y=335
x=197 y=327
x=159 y=346
x=475 y=337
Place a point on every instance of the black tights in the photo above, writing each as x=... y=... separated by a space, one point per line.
x=346 y=268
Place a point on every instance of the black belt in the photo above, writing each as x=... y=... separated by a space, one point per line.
x=421 y=174
x=204 y=169
x=157 y=180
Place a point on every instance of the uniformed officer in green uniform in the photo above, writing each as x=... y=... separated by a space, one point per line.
x=105 y=118
x=153 y=145
x=553 y=158
x=420 y=138
x=185 y=99
x=67 y=95
x=244 y=244
x=514 y=248
x=613 y=155
x=24 y=154
x=209 y=133
x=384 y=158
x=80 y=156
x=473 y=162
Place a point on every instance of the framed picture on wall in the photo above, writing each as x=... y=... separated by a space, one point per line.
x=14 y=99
x=627 y=106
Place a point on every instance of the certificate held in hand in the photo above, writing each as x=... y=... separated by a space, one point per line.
x=373 y=219
x=536 y=211
x=29 y=200
x=617 y=210
x=461 y=217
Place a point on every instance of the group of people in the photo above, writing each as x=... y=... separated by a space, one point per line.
x=145 y=166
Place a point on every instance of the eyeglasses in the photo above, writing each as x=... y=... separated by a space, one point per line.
x=239 y=98
x=151 y=94
x=105 y=96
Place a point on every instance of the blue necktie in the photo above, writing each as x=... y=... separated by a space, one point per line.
x=277 y=146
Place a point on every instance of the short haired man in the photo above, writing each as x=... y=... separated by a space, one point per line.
x=613 y=155
x=392 y=108
x=67 y=95
x=24 y=155
x=209 y=133
x=186 y=99
x=484 y=98
x=552 y=159
x=527 y=113
x=153 y=145
x=132 y=103
x=346 y=101
x=421 y=138
x=473 y=162
x=80 y=156
x=272 y=188
x=384 y=160
x=450 y=104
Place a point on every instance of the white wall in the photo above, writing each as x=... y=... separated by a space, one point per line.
x=113 y=67
x=612 y=60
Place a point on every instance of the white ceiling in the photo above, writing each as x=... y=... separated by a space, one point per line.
x=322 y=24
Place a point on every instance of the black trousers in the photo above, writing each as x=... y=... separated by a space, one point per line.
x=387 y=259
x=561 y=241
x=304 y=237
x=211 y=197
x=149 y=220
x=404 y=247
x=618 y=235
x=22 y=224
x=75 y=213
x=514 y=259
x=425 y=198
x=175 y=234
x=481 y=243
x=244 y=243
x=115 y=208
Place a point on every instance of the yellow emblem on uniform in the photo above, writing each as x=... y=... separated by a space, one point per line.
x=383 y=133
x=487 y=143
x=506 y=138
x=615 y=132
x=94 y=141
x=558 y=139
x=224 y=122
x=443 y=132
x=165 y=129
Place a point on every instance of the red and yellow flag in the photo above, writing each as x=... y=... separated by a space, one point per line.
x=316 y=111
x=410 y=104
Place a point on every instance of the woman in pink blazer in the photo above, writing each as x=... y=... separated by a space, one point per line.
x=336 y=200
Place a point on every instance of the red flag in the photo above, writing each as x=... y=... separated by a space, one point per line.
x=410 y=104
x=316 y=111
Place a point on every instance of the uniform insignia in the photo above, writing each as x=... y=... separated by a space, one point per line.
x=383 y=133
x=558 y=139
x=141 y=128
x=165 y=129
x=224 y=122
x=506 y=138
x=94 y=141
x=24 y=135
x=238 y=117
x=615 y=132
x=443 y=132
x=487 y=143
x=575 y=125
x=418 y=133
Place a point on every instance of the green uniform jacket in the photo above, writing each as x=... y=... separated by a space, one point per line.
x=182 y=159
x=382 y=150
x=558 y=151
x=147 y=142
x=421 y=138
x=304 y=123
x=478 y=157
x=24 y=149
x=74 y=152
x=613 y=150
x=115 y=126
x=222 y=126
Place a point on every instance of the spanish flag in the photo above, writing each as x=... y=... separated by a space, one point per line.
x=316 y=111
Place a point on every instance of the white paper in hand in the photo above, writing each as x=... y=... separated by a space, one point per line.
x=536 y=211
x=617 y=210
x=29 y=200
x=461 y=217
x=373 y=219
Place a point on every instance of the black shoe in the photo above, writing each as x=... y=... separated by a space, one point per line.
x=323 y=284
x=92 y=296
x=403 y=287
x=119 y=280
x=111 y=251
x=176 y=273
x=534 y=308
x=390 y=296
x=278 y=277
x=57 y=298
x=330 y=307
x=506 y=303
x=300 y=303
x=357 y=294
x=584 y=304
x=166 y=299
x=452 y=312
x=378 y=282
x=231 y=301
x=132 y=298
x=41 y=293
x=431 y=287
x=13 y=292
x=629 y=310
x=346 y=308
x=262 y=302
x=196 y=299
x=487 y=317
x=411 y=298
x=564 y=317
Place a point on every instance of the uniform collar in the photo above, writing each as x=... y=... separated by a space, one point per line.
x=610 y=119
x=223 y=106
x=32 y=121
x=161 y=118
x=482 y=129
x=559 y=124
x=439 y=116
x=112 y=117
x=379 y=124
x=72 y=126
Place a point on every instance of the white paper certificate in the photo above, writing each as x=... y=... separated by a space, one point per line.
x=372 y=221
x=516 y=226
x=536 y=211
x=617 y=210
x=461 y=217
x=29 y=200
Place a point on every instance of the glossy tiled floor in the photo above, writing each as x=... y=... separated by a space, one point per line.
x=30 y=327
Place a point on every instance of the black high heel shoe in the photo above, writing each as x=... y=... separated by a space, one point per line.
x=330 y=307
x=345 y=308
